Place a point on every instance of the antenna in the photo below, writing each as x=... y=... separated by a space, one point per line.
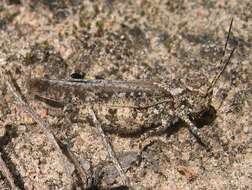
x=216 y=78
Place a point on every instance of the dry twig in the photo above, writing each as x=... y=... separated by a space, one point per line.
x=83 y=177
x=110 y=150
x=6 y=172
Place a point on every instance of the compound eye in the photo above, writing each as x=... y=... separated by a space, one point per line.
x=78 y=75
x=205 y=116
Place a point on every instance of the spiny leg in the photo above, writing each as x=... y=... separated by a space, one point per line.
x=193 y=130
x=159 y=128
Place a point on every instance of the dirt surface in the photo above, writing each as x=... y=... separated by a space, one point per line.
x=126 y=40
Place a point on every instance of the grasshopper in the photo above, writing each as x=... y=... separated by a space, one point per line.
x=149 y=105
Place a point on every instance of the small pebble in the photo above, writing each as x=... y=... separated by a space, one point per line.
x=2 y=131
x=86 y=165
x=122 y=37
x=246 y=130
x=22 y=128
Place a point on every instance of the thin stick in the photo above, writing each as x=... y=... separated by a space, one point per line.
x=41 y=123
x=109 y=149
x=82 y=175
x=6 y=172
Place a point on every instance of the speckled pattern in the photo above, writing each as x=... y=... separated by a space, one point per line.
x=158 y=40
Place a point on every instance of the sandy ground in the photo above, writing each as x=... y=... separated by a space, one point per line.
x=155 y=40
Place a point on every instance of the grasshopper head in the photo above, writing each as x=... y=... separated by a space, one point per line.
x=202 y=113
